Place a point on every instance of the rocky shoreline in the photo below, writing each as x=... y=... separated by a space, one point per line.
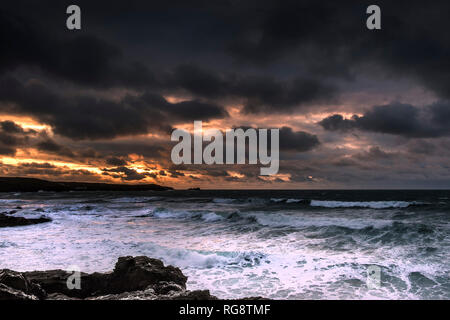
x=7 y=220
x=133 y=278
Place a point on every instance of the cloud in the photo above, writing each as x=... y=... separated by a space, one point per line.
x=101 y=90
x=127 y=174
x=114 y=161
x=258 y=94
x=397 y=119
x=81 y=58
x=11 y=127
x=90 y=61
x=47 y=171
x=298 y=141
x=374 y=153
x=13 y=136
x=330 y=39
x=88 y=117
x=314 y=41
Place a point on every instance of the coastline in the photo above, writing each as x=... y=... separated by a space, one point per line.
x=133 y=278
x=15 y=184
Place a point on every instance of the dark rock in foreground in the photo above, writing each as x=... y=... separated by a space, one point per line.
x=15 y=286
x=133 y=278
x=10 y=221
x=33 y=185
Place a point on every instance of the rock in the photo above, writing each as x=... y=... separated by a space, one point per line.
x=60 y=296
x=17 y=282
x=147 y=294
x=130 y=274
x=137 y=273
x=55 y=282
x=190 y=295
x=8 y=221
x=151 y=294
x=7 y=293
x=14 y=280
x=133 y=278
x=165 y=287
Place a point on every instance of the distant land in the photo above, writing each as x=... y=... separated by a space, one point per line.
x=8 y=184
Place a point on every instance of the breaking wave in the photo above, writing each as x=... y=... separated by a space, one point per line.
x=362 y=204
x=163 y=213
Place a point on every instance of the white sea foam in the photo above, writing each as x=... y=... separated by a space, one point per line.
x=136 y=199
x=223 y=200
x=293 y=200
x=283 y=220
x=281 y=253
x=360 y=204
x=163 y=213
x=211 y=216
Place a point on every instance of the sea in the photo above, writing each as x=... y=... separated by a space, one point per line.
x=297 y=244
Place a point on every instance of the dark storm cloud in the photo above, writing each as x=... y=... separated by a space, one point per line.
x=46 y=170
x=289 y=140
x=7 y=150
x=127 y=174
x=421 y=147
x=290 y=56
x=50 y=146
x=398 y=119
x=181 y=111
x=148 y=148
x=87 y=117
x=260 y=94
x=298 y=141
x=269 y=96
x=114 y=161
x=319 y=41
x=87 y=60
x=337 y=122
x=11 y=127
x=331 y=38
x=13 y=136
x=374 y=153
x=83 y=59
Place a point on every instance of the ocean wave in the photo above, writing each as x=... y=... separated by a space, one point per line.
x=163 y=213
x=256 y=201
x=294 y=200
x=361 y=204
x=273 y=220
x=136 y=199
x=7 y=201
x=223 y=200
x=187 y=258
x=289 y=201
x=201 y=259
x=282 y=220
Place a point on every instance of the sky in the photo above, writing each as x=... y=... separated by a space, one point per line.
x=356 y=108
